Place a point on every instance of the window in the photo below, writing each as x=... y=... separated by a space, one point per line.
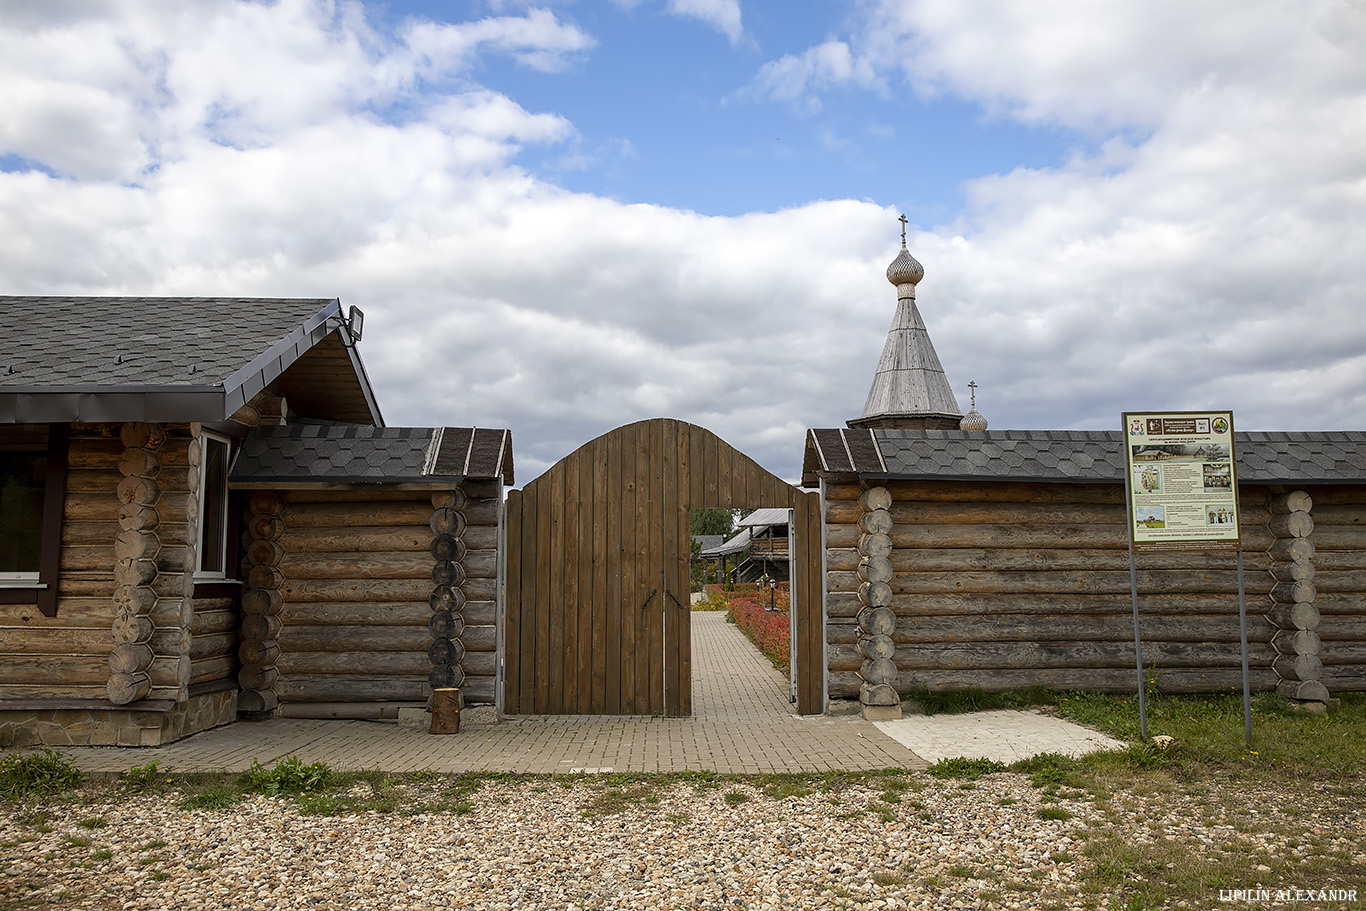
x=32 y=486
x=213 y=506
x=22 y=476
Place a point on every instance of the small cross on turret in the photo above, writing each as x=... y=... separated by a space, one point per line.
x=972 y=384
x=902 y=219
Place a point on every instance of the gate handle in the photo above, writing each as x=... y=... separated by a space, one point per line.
x=648 y=598
x=672 y=598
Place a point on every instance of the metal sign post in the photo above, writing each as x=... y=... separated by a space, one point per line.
x=1181 y=490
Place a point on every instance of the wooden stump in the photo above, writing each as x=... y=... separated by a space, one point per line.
x=445 y=711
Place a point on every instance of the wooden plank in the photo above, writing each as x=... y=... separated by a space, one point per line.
x=611 y=517
x=512 y=605
x=601 y=598
x=649 y=681
x=630 y=576
x=669 y=545
x=544 y=600
x=697 y=476
x=583 y=566
x=551 y=599
x=711 y=466
x=569 y=559
x=810 y=687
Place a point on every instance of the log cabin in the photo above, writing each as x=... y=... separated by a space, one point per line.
x=144 y=595
x=957 y=557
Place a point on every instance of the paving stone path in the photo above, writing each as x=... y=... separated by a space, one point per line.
x=742 y=722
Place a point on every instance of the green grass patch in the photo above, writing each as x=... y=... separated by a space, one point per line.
x=972 y=699
x=290 y=776
x=964 y=768
x=44 y=774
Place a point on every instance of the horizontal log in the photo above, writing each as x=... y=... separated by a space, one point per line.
x=133 y=628
x=353 y=664
x=481 y=564
x=1344 y=678
x=479 y=638
x=480 y=663
x=74 y=613
x=1297 y=642
x=1089 y=603
x=361 y=539
x=91 y=506
x=356 y=613
x=216 y=668
x=478 y=690
x=1154 y=627
x=258 y=652
x=480 y=613
x=842 y=632
x=480 y=589
x=261 y=626
x=842 y=536
x=122 y=689
x=412 y=564
x=1340 y=514
x=483 y=511
x=301 y=590
x=843 y=684
x=455 y=499
x=1303 y=690
x=842 y=604
x=76 y=533
x=1291 y=525
x=1024 y=492
x=1298 y=615
x=1293 y=501
x=86 y=585
x=380 y=711
x=1096 y=680
x=414 y=639
x=96 y=642
x=360 y=514
x=254 y=677
x=1340 y=603
x=351 y=689
x=481 y=537
x=875 y=498
x=251 y=701
x=167 y=612
x=1293 y=571
x=1048 y=582
x=53 y=692
x=1342 y=627
x=1299 y=667
x=1339 y=495
x=358 y=495
x=129 y=658
x=262 y=601
x=211 y=645
x=83 y=670
x=1290 y=592
x=1025 y=655
x=97 y=557
x=1003 y=559
x=843 y=658
x=1341 y=581
x=167 y=640
x=1330 y=561
x=207 y=621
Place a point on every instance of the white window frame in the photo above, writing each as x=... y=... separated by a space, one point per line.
x=205 y=437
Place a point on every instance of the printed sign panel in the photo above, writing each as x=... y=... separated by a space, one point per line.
x=1183 y=489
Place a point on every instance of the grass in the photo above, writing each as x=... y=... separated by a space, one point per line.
x=24 y=775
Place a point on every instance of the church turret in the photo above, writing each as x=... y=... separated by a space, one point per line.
x=909 y=389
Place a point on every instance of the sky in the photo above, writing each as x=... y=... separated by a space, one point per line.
x=561 y=217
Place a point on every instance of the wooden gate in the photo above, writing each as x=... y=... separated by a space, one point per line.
x=597 y=617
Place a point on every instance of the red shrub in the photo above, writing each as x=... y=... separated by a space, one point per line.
x=767 y=629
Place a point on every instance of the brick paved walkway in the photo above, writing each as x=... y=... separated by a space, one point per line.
x=742 y=722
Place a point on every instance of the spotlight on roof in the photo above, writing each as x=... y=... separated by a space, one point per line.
x=355 y=322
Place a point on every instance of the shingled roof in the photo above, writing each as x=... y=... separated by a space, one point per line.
x=317 y=454
x=1076 y=456
x=163 y=359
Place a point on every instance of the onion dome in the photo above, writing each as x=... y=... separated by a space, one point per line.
x=905 y=269
x=973 y=420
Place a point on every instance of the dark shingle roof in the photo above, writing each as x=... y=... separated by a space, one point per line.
x=149 y=358
x=1085 y=456
x=311 y=454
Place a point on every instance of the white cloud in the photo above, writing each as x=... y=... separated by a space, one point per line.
x=797 y=79
x=722 y=15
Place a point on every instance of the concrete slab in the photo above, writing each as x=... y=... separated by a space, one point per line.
x=1003 y=735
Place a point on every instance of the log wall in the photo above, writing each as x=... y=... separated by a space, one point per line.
x=127 y=631
x=1339 y=554
x=1000 y=586
x=359 y=602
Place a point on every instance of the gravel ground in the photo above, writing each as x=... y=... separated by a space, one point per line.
x=539 y=844
x=598 y=842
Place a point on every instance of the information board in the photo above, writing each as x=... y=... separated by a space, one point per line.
x=1183 y=488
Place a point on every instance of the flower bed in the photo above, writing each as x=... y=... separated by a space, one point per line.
x=767 y=629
